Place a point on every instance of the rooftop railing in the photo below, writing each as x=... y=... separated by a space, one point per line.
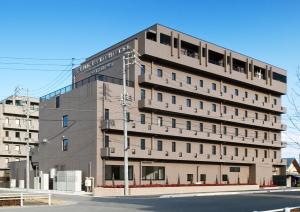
x=83 y=82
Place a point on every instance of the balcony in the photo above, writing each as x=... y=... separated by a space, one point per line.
x=20 y=110
x=18 y=140
x=164 y=131
x=181 y=87
x=189 y=111
x=117 y=152
x=22 y=126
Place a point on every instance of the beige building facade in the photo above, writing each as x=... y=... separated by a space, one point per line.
x=199 y=113
x=13 y=132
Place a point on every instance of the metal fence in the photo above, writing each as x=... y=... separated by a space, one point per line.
x=18 y=199
x=83 y=82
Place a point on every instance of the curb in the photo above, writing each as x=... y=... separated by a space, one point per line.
x=227 y=193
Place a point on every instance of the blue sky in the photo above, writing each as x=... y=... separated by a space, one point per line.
x=268 y=30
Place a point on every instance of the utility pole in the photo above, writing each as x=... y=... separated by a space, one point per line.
x=27 y=142
x=125 y=102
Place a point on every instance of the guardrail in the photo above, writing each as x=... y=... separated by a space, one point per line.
x=19 y=198
x=282 y=210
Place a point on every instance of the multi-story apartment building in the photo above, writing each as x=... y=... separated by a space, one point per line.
x=199 y=113
x=13 y=130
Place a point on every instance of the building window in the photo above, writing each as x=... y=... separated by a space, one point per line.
x=106 y=141
x=165 y=39
x=236 y=151
x=143 y=118
x=201 y=83
x=203 y=177
x=143 y=70
x=275 y=137
x=106 y=114
x=214 y=150
x=17 y=148
x=246 y=152
x=224 y=109
x=143 y=144
x=275 y=119
x=151 y=36
x=224 y=150
x=174 y=100
x=173 y=123
x=266 y=99
x=275 y=101
x=246 y=114
x=200 y=148
x=265 y=135
x=160 y=121
x=266 y=153
x=275 y=155
x=159 y=97
x=159 y=145
x=256 y=97
x=224 y=177
x=224 y=130
x=266 y=117
x=214 y=86
x=234 y=169
x=153 y=173
x=236 y=92
x=116 y=172
x=256 y=115
x=6 y=147
x=236 y=131
x=224 y=89
x=173 y=76
x=188 y=147
x=188 y=80
x=128 y=143
x=214 y=129
x=143 y=94
x=214 y=107
x=189 y=177
x=256 y=153
x=188 y=125
x=173 y=146
x=57 y=102
x=246 y=133
x=236 y=112
x=256 y=134
x=201 y=105
x=159 y=73
x=128 y=116
x=188 y=102
x=201 y=127
x=6 y=133
x=17 y=134
x=65 y=121
x=246 y=94
x=65 y=144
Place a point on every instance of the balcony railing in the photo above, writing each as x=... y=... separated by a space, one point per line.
x=83 y=82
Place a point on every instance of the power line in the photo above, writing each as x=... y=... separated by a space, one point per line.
x=30 y=69
x=35 y=58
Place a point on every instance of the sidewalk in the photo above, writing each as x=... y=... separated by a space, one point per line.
x=260 y=191
x=18 y=190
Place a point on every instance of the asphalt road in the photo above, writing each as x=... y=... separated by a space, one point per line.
x=232 y=203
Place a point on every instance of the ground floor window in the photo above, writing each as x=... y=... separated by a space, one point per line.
x=153 y=173
x=116 y=172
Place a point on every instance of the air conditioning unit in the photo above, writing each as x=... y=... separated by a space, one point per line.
x=195 y=155
x=166 y=153
x=149 y=152
x=133 y=151
x=180 y=154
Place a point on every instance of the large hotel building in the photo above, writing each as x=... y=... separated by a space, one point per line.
x=199 y=113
